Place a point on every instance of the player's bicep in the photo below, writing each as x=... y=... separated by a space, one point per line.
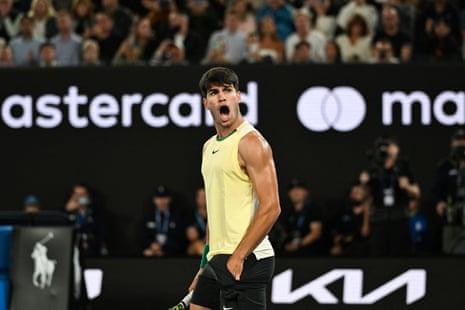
x=259 y=165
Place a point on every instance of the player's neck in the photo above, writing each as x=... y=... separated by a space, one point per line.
x=223 y=132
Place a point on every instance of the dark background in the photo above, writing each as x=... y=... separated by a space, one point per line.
x=124 y=165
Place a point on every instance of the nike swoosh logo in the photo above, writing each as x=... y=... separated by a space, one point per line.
x=224 y=308
x=215 y=151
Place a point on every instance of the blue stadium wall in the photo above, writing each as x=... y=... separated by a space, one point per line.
x=125 y=130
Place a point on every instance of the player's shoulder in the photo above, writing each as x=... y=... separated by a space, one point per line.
x=207 y=142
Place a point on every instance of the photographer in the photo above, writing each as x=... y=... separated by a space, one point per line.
x=88 y=219
x=449 y=193
x=395 y=195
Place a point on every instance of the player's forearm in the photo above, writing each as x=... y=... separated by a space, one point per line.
x=261 y=225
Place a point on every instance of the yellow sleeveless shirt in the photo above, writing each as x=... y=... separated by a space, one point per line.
x=231 y=201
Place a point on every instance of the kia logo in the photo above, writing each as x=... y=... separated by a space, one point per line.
x=342 y=108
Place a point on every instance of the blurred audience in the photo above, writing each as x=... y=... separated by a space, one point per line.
x=362 y=8
x=302 y=53
x=164 y=230
x=282 y=13
x=304 y=32
x=10 y=19
x=351 y=229
x=449 y=196
x=108 y=40
x=121 y=16
x=227 y=45
x=270 y=46
x=89 y=221
x=43 y=15
x=196 y=231
x=67 y=43
x=355 y=42
x=332 y=53
x=31 y=204
x=83 y=14
x=302 y=222
x=90 y=53
x=25 y=47
x=138 y=48
x=47 y=55
x=401 y=41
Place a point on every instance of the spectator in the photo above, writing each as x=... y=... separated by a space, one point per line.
x=189 y=41
x=158 y=12
x=246 y=15
x=401 y=42
x=138 y=48
x=6 y=56
x=67 y=43
x=332 y=53
x=282 y=15
x=197 y=230
x=449 y=194
x=25 y=48
x=90 y=53
x=108 y=41
x=47 y=55
x=383 y=52
x=43 y=15
x=87 y=215
x=83 y=13
x=358 y=7
x=164 y=228
x=429 y=15
x=227 y=45
x=168 y=54
x=302 y=222
x=270 y=46
x=441 y=45
x=10 y=19
x=407 y=12
x=203 y=19
x=121 y=16
x=304 y=32
x=62 y=4
x=394 y=192
x=352 y=226
x=325 y=21
x=302 y=53
x=355 y=43
x=31 y=204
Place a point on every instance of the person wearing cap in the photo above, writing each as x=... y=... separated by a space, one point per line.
x=302 y=222
x=31 y=204
x=164 y=227
x=395 y=198
x=449 y=193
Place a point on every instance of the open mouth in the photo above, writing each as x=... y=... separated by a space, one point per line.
x=224 y=110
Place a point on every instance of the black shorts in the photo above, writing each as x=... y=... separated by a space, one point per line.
x=217 y=289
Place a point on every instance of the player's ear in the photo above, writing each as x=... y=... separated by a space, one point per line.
x=238 y=94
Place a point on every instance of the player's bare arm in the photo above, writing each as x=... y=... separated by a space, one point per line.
x=256 y=159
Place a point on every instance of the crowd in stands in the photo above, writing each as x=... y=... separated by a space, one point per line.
x=379 y=216
x=48 y=33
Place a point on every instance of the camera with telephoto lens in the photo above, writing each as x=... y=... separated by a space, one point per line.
x=379 y=153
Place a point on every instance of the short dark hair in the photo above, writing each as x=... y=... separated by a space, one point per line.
x=217 y=76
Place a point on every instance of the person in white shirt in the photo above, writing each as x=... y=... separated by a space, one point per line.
x=360 y=7
x=304 y=32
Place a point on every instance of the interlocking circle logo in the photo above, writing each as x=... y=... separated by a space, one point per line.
x=320 y=108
